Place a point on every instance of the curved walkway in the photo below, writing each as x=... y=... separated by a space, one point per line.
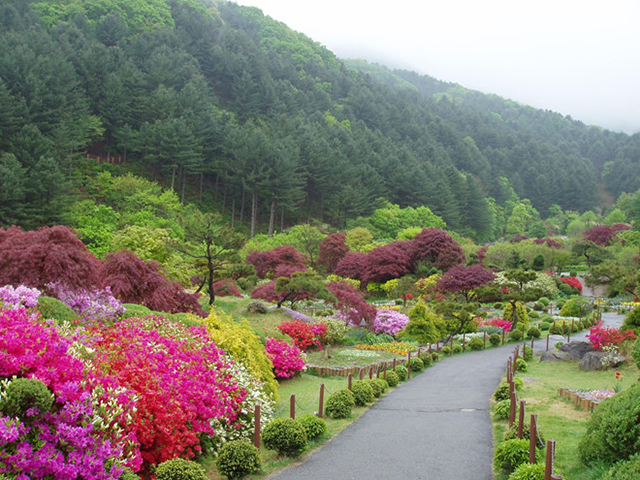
x=437 y=426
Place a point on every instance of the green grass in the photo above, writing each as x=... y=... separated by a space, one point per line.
x=559 y=419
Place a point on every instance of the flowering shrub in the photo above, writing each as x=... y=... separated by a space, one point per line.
x=76 y=438
x=389 y=322
x=304 y=335
x=94 y=304
x=601 y=337
x=496 y=322
x=287 y=359
x=182 y=380
x=399 y=348
x=572 y=282
x=21 y=296
x=226 y=288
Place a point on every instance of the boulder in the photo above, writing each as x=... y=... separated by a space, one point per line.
x=556 y=356
x=577 y=350
x=601 y=361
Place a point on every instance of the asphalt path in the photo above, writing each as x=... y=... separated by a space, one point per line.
x=437 y=426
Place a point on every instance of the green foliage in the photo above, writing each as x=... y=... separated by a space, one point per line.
x=476 y=343
x=528 y=471
x=613 y=431
x=50 y=307
x=636 y=352
x=376 y=387
x=457 y=348
x=135 y=310
x=515 y=335
x=435 y=356
x=392 y=378
x=576 y=307
x=445 y=350
x=495 y=339
x=23 y=394
x=624 y=470
x=632 y=321
x=502 y=409
x=240 y=341
x=362 y=393
x=521 y=365
x=426 y=358
x=510 y=454
x=544 y=326
x=519 y=317
x=501 y=392
x=425 y=326
x=382 y=383
x=127 y=474
x=512 y=433
x=286 y=436
x=528 y=353
x=238 y=458
x=340 y=403
x=336 y=331
x=402 y=373
x=313 y=425
x=417 y=365
x=180 y=469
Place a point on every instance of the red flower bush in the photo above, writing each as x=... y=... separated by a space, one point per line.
x=572 y=282
x=287 y=359
x=304 y=335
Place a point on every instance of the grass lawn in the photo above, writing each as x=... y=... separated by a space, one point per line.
x=558 y=419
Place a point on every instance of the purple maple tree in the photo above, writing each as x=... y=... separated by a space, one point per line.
x=387 y=262
x=437 y=248
x=285 y=258
x=462 y=280
x=332 y=249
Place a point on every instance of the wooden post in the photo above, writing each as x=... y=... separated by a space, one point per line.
x=361 y=375
x=349 y=380
x=256 y=432
x=485 y=340
x=438 y=346
x=370 y=372
x=533 y=437
x=524 y=349
x=394 y=364
x=514 y=363
x=548 y=335
x=378 y=371
x=321 y=402
x=408 y=365
x=521 y=419
x=548 y=470
x=532 y=343
x=451 y=346
x=512 y=408
x=292 y=406
x=502 y=337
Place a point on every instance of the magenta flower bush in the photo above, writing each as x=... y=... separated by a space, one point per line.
x=389 y=322
x=505 y=325
x=20 y=296
x=94 y=304
x=287 y=359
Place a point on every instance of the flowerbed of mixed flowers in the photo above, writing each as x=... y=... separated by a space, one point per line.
x=127 y=393
x=399 y=348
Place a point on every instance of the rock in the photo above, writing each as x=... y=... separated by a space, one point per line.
x=601 y=361
x=577 y=350
x=556 y=356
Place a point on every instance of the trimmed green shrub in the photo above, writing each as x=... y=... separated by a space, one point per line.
x=362 y=393
x=502 y=409
x=286 y=436
x=417 y=365
x=457 y=348
x=402 y=373
x=392 y=378
x=238 y=458
x=435 y=356
x=521 y=365
x=340 y=403
x=180 y=469
x=135 y=310
x=336 y=331
x=544 y=326
x=476 y=343
x=501 y=392
x=495 y=339
x=544 y=301
x=313 y=426
x=25 y=393
x=519 y=383
x=576 y=307
x=632 y=321
x=376 y=387
x=528 y=471
x=127 y=474
x=512 y=433
x=382 y=383
x=528 y=353
x=520 y=313
x=635 y=352
x=511 y=453
x=445 y=350
x=613 y=431
x=534 y=314
x=515 y=335
x=427 y=359
x=50 y=307
x=625 y=470
x=534 y=332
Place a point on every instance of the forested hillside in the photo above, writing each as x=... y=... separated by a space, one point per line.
x=238 y=113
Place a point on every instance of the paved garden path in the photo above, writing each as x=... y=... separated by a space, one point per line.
x=436 y=426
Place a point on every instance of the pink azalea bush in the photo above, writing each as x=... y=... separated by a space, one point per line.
x=389 y=322
x=20 y=296
x=287 y=359
x=94 y=304
x=601 y=337
x=505 y=325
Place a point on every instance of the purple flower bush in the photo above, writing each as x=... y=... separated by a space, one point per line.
x=20 y=296
x=389 y=322
x=95 y=304
x=287 y=359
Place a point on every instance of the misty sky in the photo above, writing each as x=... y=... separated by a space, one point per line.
x=578 y=58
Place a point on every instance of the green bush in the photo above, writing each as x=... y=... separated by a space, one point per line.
x=286 y=436
x=534 y=332
x=635 y=353
x=457 y=348
x=392 y=378
x=134 y=310
x=576 y=307
x=25 y=393
x=340 y=403
x=127 y=474
x=435 y=356
x=502 y=409
x=417 y=365
x=512 y=433
x=528 y=353
x=519 y=383
x=613 y=431
x=544 y=301
x=632 y=321
x=510 y=454
x=495 y=339
x=50 y=307
x=521 y=365
x=382 y=383
x=376 y=387
x=445 y=350
x=362 y=393
x=515 y=335
x=544 y=326
x=501 y=392
x=313 y=426
x=427 y=359
x=476 y=343
x=238 y=458
x=528 y=471
x=402 y=373
x=180 y=469
x=497 y=306
x=625 y=470
x=336 y=331
x=534 y=314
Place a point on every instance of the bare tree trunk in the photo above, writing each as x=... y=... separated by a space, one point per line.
x=272 y=216
x=201 y=181
x=282 y=220
x=173 y=178
x=184 y=182
x=242 y=206
x=254 y=213
x=233 y=211
x=224 y=200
